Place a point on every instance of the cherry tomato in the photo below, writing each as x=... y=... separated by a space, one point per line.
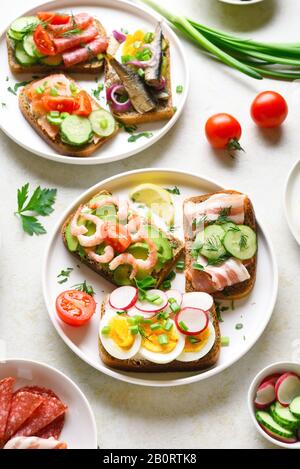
x=59 y=103
x=53 y=18
x=223 y=131
x=269 y=109
x=75 y=307
x=43 y=41
x=117 y=236
x=84 y=106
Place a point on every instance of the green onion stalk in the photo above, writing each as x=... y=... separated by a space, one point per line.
x=253 y=58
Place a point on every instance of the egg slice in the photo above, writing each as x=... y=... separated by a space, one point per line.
x=118 y=340
x=197 y=350
x=152 y=350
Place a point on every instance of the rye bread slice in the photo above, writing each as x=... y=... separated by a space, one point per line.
x=142 y=365
x=92 y=67
x=56 y=143
x=164 y=110
x=178 y=248
x=239 y=290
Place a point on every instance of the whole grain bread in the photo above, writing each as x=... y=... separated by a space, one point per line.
x=239 y=290
x=142 y=365
x=178 y=248
x=56 y=143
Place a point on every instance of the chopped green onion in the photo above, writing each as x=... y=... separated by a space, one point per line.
x=180 y=265
x=174 y=306
x=154 y=298
x=163 y=339
x=163 y=315
x=141 y=73
x=40 y=90
x=155 y=326
x=179 y=89
x=134 y=329
x=171 y=275
x=225 y=341
x=126 y=58
x=73 y=87
x=239 y=326
x=183 y=326
x=166 y=285
x=148 y=37
x=193 y=340
x=53 y=91
x=169 y=324
x=120 y=312
x=105 y=330
x=146 y=321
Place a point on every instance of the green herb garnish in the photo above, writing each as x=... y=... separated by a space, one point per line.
x=225 y=341
x=85 y=288
x=239 y=326
x=193 y=340
x=173 y=190
x=183 y=326
x=96 y=92
x=223 y=215
x=155 y=326
x=105 y=330
x=144 y=285
x=180 y=266
x=11 y=90
x=64 y=274
x=179 y=89
x=197 y=266
x=135 y=137
x=163 y=339
x=218 y=311
x=128 y=128
x=243 y=241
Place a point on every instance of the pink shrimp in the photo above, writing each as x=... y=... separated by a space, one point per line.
x=104 y=258
x=121 y=204
x=97 y=237
x=134 y=223
x=125 y=258
x=76 y=229
x=151 y=260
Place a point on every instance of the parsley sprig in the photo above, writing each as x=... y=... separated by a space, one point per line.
x=40 y=203
x=144 y=285
x=64 y=275
x=85 y=288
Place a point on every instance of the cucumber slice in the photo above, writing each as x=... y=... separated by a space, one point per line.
x=15 y=36
x=30 y=47
x=229 y=226
x=76 y=130
x=295 y=407
x=21 y=25
x=284 y=417
x=241 y=244
x=52 y=60
x=269 y=422
x=103 y=123
x=22 y=57
x=213 y=247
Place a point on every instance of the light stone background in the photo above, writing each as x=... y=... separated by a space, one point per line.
x=209 y=414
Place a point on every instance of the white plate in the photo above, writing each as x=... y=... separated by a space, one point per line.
x=80 y=431
x=292 y=201
x=240 y=2
x=114 y=14
x=254 y=312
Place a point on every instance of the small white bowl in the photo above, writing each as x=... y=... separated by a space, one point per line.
x=240 y=2
x=279 y=367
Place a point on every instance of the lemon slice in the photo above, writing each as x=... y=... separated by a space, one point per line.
x=157 y=199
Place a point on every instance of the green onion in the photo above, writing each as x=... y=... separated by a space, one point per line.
x=40 y=90
x=225 y=341
x=105 y=330
x=148 y=37
x=193 y=340
x=166 y=285
x=146 y=321
x=141 y=73
x=155 y=326
x=154 y=298
x=239 y=326
x=174 y=306
x=163 y=315
x=134 y=329
x=179 y=89
x=163 y=339
x=171 y=275
x=168 y=326
x=73 y=87
x=120 y=312
x=53 y=91
x=180 y=265
x=183 y=326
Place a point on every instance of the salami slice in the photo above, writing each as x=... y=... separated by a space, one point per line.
x=40 y=391
x=22 y=407
x=66 y=43
x=79 y=21
x=6 y=395
x=53 y=429
x=82 y=54
x=49 y=410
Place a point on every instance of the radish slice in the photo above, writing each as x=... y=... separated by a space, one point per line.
x=277 y=437
x=265 y=395
x=287 y=387
x=272 y=378
x=199 y=300
x=137 y=312
x=153 y=307
x=191 y=321
x=174 y=294
x=123 y=297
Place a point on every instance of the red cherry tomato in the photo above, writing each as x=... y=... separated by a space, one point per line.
x=84 y=106
x=53 y=18
x=75 y=307
x=43 y=41
x=118 y=237
x=269 y=109
x=223 y=131
x=59 y=103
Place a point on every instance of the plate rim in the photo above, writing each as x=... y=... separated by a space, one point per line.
x=70 y=382
x=285 y=201
x=92 y=160
x=115 y=373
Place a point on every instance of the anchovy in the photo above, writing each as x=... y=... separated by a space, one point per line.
x=140 y=97
x=152 y=73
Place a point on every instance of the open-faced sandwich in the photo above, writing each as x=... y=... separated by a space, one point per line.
x=53 y=41
x=221 y=244
x=137 y=77
x=158 y=331
x=66 y=116
x=112 y=238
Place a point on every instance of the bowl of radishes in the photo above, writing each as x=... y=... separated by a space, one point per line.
x=274 y=404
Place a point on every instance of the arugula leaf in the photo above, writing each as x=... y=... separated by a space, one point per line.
x=85 y=288
x=31 y=225
x=135 y=137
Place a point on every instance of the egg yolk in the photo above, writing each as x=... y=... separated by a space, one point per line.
x=202 y=338
x=134 y=43
x=151 y=342
x=120 y=333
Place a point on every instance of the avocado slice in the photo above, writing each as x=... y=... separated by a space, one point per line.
x=161 y=241
x=72 y=242
x=121 y=275
x=107 y=212
x=140 y=251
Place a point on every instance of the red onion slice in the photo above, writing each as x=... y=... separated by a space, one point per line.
x=111 y=96
x=120 y=37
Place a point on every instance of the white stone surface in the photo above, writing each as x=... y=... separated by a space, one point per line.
x=213 y=413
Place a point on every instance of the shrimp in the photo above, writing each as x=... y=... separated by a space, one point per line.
x=76 y=229
x=97 y=237
x=121 y=204
x=134 y=223
x=104 y=258
x=125 y=258
x=151 y=260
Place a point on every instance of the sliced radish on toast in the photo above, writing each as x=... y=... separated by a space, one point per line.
x=137 y=312
x=176 y=295
x=191 y=321
x=123 y=297
x=155 y=301
x=265 y=395
x=199 y=300
x=287 y=388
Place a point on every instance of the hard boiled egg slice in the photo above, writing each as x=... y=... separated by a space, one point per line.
x=117 y=338
x=161 y=345
x=198 y=346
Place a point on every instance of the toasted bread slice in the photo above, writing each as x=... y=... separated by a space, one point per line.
x=178 y=248
x=92 y=67
x=142 y=365
x=56 y=143
x=164 y=110
x=239 y=290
